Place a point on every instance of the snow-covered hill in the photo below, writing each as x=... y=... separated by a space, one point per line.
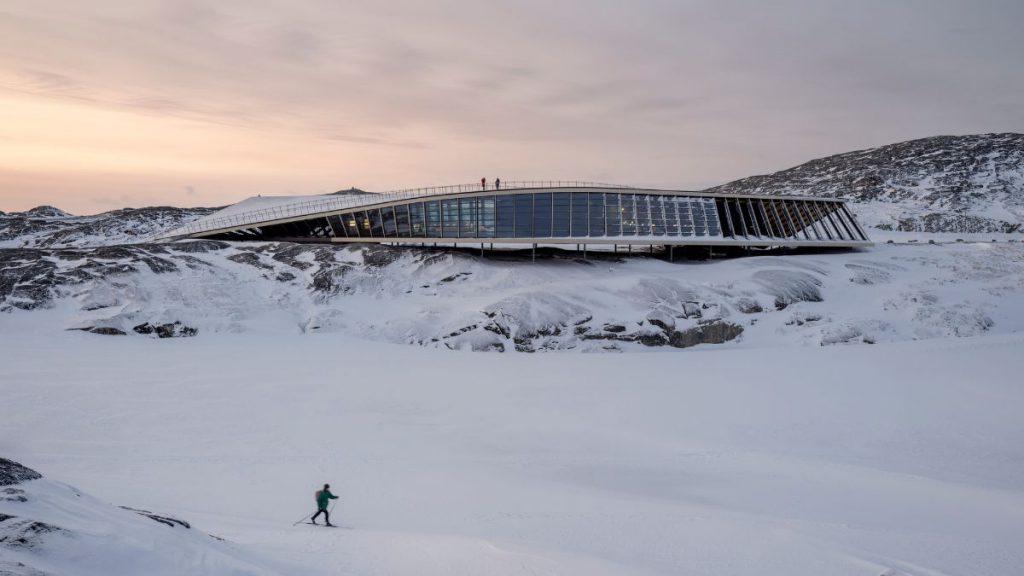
x=49 y=528
x=452 y=299
x=46 y=226
x=942 y=184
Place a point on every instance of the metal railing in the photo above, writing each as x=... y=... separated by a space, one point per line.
x=330 y=204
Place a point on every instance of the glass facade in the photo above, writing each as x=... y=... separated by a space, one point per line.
x=608 y=215
x=538 y=215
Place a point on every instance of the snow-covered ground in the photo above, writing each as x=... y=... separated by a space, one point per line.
x=861 y=415
x=458 y=300
x=897 y=458
x=48 y=527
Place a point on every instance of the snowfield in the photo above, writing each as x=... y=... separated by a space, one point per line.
x=897 y=458
x=848 y=413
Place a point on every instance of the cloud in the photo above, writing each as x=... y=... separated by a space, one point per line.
x=658 y=90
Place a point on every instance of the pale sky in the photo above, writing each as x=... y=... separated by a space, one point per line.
x=106 y=104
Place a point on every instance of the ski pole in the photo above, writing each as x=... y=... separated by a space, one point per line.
x=301 y=519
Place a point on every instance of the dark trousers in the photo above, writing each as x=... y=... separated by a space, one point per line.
x=327 y=515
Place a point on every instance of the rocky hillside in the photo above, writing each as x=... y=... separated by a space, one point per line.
x=46 y=226
x=453 y=299
x=941 y=184
x=49 y=528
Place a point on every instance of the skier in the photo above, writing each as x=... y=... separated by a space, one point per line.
x=322 y=497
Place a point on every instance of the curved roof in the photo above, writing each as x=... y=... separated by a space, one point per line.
x=259 y=209
x=262 y=210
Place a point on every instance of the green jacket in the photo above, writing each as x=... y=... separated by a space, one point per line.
x=322 y=496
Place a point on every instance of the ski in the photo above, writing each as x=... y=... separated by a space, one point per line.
x=324 y=525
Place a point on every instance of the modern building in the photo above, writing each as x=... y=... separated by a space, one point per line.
x=532 y=213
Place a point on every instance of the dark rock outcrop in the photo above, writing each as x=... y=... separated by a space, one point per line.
x=166 y=520
x=24 y=533
x=167 y=330
x=716 y=332
x=12 y=473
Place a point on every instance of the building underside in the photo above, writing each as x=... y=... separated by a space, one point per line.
x=556 y=213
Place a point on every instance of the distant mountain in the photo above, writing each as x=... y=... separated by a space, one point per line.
x=351 y=192
x=46 y=226
x=941 y=184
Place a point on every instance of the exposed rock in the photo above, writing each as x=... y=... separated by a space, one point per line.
x=12 y=473
x=9 y=494
x=23 y=533
x=251 y=259
x=166 y=520
x=104 y=330
x=748 y=306
x=197 y=246
x=167 y=330
x=658 y=339
x=456 y=276
x=717 y=332
x=614 y=328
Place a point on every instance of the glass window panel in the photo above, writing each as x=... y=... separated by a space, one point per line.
x=628 y=215
x=469 y=219
x=542 y=215
x=596 y=214
x=433 y=211
x=487 y=217
x=416 y=224
x=613 y=215
x=450 y=218
x=318 y=227
x=657 y=215
x=711 y=217
x=671 y=216
x=643 y=215
x=376 y=223
x=697 y=212
x=362 y=224
x=685 y=217
x=350 y=224
x=524 y=215
x=402 y=219
x=560 y=209
x=504 y=217
x=337 y=227
x=388 y=215
x=580 y=215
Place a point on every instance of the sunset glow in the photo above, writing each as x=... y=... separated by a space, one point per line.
x=112 y=104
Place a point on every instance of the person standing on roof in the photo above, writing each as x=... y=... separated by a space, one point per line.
x=497 y=183
x=322 y=498
x=483 y=183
